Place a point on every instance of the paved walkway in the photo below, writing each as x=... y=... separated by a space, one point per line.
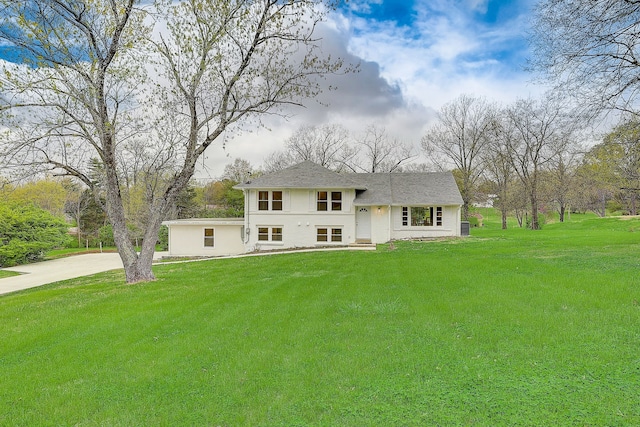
x=44 y=272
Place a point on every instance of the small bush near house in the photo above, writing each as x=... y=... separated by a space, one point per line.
x=26 y=232
x=475 y=219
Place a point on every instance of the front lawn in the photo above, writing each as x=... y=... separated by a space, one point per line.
x=503 y=328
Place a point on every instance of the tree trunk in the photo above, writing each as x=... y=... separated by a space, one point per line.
x=136 y=268
x=534 y=224
x=562 y=211
x=504 y=218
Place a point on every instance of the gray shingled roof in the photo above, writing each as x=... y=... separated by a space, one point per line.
x=397 y=189
x=303 y=175
x=402 y=189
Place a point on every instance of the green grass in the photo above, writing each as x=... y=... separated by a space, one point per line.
x=5 y=273
x=503 y=328
x=65 y=252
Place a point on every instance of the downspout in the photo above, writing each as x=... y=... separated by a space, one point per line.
x=389 y=215
x=246 y=216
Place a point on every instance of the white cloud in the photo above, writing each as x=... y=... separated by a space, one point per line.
x=478 y=5
x=406 y=74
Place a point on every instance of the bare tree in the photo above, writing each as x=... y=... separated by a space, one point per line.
x=458 y=139
x=590 y=49
x=375 y=151
x=499 y=170
x=220 y=63
x=277 y=161
x=534 y=133
x=559 y=179
x=325 y=145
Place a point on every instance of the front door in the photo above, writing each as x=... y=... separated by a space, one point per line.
x=363 y=224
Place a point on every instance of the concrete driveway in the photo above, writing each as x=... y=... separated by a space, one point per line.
x=44 y=272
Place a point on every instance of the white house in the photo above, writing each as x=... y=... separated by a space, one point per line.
x=307 y=205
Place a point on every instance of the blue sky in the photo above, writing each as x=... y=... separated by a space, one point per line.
x=473 y=45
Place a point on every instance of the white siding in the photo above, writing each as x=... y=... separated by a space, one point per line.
x=299 y=220
x=450 y=225
x=187 y=239
x=379 y=224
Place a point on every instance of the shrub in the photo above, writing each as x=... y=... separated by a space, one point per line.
x=163 y=238
x=542 y=220
x=105 y=235
x=475 y=219
x=27 y=232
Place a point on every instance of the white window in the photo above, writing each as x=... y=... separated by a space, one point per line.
x=265 y=202
x=326 y=199
x=276 y=200
x=336 y=200
x=421 y=216
x=263 y=234
x=270 y=234
x=209 y=238
x=276 y=234
x=326 y=234
x=322 y=201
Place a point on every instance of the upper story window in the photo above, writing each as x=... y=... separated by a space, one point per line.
x=322 y=200
x=326 y=199
x=420 y=216
x=276 y=200
x=263 y=200
x=269 y=200
x=336 y=200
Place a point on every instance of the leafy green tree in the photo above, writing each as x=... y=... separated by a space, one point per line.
x=92 y=219
x=221 y=200
x=48 y=194
x=27 y=232
x=611 y=170
x=105 y=235
x=625 y=139
x=186 y=204
x=239 y=171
